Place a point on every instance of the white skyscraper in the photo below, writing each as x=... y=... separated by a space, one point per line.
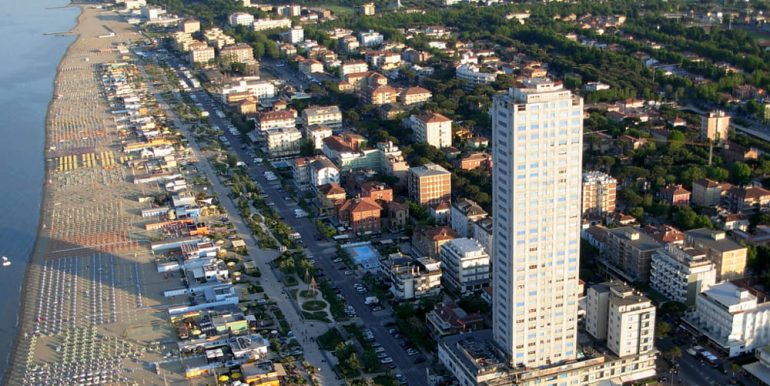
x=537 y=148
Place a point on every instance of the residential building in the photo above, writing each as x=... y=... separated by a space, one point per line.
x=310 y=66
x=747 y=199
x=414 y=95
x=676 y=195
x=761 y=369
x=323 y=172
x=680 y=273
x=317 y=135
x=448 y=318
x=440 y=212
x=268 y=24
x=217 y=38
x=240 y=18
x=200 y=52
x=412 y=278
x=368 y=9
x=429 y=184
x=760 y=237
x=738 y=153
x=664 y=234
x=329 y=116
x=536 y=259
x=353 y=67
x=631 y=322
x=190 y=26
x=465 y=265
x=291 y=10
x=248 y=86
x=433 y=129
x=474 y=76
x=427 y=241
x=294 y=35
x=370 y=38
x=715 y=126
x=630 y=253
x=519 y=202
x=276 y=119
x=262 y=374
x=380 y=95
x=464 y=214
x=383 y=60
x=706 y=192
x=398 y=215
x=733 y=317
x=282 y=141
x=300 y=172
x=237 y=53
x=599 y=193
x=362 y=215
x=475 y=161
x=728 y=256
x=377 y=191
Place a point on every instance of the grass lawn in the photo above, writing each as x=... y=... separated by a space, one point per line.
x=339 y=10
x=319 y=316
x=314 y=305
x=330 y=339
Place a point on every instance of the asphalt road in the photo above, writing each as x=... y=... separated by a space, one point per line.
x=322 y=252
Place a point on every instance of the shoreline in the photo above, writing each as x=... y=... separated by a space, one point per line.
x=38 y=249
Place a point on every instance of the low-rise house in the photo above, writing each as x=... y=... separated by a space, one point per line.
x=475 y=161
x=428 y=241
x=760 y=237
x=676 y=195
x=440 y=213
x=664 y=234
x=747 y=198
x=377 y=191
x=464 y=213
x=449 y=319
x=362 y=215
x=323 y=172
x=398 y=215
x=310 y=66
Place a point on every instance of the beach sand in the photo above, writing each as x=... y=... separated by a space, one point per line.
x=91 y=310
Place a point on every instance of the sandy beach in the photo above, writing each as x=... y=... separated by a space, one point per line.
x=89 y=310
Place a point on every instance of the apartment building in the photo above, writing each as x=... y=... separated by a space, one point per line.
x=630 y=253
x=429 y=184
x=276 y=119
x=200 y=52
x=329 y=116
x=237 y=53
x=622 y=317
x=241 y=18
x=474 y=76
x=433 y=129
x=599 y=193
x=414 y=95
x=715 y=126
x=362 y=215
x=353 y=67
x=427 y=241
x=681 y=273
x=706 y=192
x=412 y=278
x=728 y=256
x=370 y=38
x=282 y=141
x=465 y=265
x=268 y=24
x=317 y=135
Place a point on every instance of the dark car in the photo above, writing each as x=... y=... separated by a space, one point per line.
x=419 y=359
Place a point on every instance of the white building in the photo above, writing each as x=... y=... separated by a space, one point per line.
x=681 y=273
x=625 y=319
x=259 y=88
x=266 y=24
x=733 y=318
x=353 y=67
x=412 y=278
x=322 y=172
x=317 y=135
x=433 y=129
x=483 y=231
x=538 y=137
x=464 y=213
x=370 y=39
x=294 y=35
x=465 y=265
x=241 y=18
x=281 y=142
x=473 y=75
x=329 y=116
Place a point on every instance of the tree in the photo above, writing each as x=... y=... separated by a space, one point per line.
x=740 y=173
x=307 y=148
x=673 y=353
x=662 y=329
